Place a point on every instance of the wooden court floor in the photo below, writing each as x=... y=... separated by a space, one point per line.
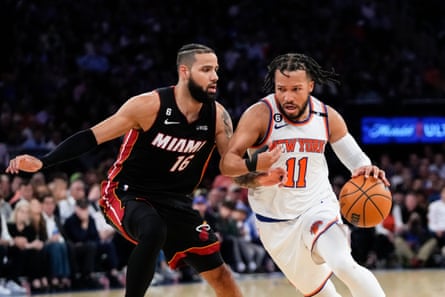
x=396 y=283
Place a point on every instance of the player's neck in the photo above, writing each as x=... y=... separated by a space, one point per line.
x=186 y=103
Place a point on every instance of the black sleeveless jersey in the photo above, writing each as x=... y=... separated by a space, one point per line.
x=172 y=156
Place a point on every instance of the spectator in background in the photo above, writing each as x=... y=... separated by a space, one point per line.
x=5 y=243
x=227 y=232
x=59 y=270
x=386 y=231
x=253 y=253
x=438 y=165
x=200 y=205
x=40 y=283
x=237 y=194
x=25 y=253
x=436 y=220
x=215 y=198
x=76 y=192
x=25 y=191
x=83 y=239
x=58 y=186
x=5 y=207
x=106 y=248
x=5 y=187
x=414 y=245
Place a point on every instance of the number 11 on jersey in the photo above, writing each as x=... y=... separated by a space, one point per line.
x=296 y=172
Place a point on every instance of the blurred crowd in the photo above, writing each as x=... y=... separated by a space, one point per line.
x=68 y=64
x=54 y=237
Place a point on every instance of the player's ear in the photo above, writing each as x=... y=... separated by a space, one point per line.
x=183 y=71
x=311 y=85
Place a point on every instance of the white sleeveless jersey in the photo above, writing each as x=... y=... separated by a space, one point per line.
x=303 y=146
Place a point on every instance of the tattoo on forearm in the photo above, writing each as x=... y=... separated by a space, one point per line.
x=248 y=180
x=228 y=127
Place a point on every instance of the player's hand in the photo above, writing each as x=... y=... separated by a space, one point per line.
x=371 y=170
x=25 y=163
x=274 y=176
x=267 y=158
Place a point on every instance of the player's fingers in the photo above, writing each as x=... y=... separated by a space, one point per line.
x=371 y=170
x=276 y=152
x=382 y=176
x=12 y=168
x=283 y=176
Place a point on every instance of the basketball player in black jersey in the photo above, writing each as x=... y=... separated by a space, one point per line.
x=170 y=134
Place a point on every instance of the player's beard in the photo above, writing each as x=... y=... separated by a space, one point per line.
x=199 y=93
x=299 y=114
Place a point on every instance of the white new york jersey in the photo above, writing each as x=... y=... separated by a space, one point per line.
x=303 y=146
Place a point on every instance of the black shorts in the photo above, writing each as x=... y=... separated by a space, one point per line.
x=189 y=239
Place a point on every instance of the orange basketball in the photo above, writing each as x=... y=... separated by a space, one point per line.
x=365 y=202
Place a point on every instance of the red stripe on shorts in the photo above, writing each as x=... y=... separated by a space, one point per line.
x=204 y=250
x=112 y=208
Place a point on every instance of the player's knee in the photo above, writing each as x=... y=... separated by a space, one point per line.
x=220 y=273
x=343 y=266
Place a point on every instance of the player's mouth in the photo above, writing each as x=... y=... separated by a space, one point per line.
x=211 y=89
x=290 y=107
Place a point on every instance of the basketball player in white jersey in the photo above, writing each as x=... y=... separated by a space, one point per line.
x=296 y=209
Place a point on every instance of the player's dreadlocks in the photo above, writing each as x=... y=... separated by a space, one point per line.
x=292 y=62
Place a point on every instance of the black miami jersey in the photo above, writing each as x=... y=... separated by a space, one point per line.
x=172 y=156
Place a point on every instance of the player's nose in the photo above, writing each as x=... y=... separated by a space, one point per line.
x=214 y=76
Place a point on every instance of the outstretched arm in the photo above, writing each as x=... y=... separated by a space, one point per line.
x=129 y=116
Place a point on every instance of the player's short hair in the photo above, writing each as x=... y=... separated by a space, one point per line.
x=293 y=62
x=186 y=54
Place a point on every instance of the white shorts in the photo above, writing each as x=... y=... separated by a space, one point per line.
x=290 y=244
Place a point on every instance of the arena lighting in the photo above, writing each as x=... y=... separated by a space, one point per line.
x=382 y=130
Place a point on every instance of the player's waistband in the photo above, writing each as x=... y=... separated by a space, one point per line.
x=269 y=220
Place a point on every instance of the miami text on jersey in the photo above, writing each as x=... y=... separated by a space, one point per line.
x=174 y=144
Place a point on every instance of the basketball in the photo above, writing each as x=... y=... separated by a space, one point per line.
x=365 y=202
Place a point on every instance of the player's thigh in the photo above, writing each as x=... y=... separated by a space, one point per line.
x=143 y=222
x=284 y=243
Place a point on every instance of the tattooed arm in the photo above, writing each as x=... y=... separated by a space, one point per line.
x=224 y=129
x=274 y=176
x=248 y=180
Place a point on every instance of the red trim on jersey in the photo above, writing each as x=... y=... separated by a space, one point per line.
x=204 y=168
x=317 y=290
x=124 y=152
x=204 y=250
x=112 y=208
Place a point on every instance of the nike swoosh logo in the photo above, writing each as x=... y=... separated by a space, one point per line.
x=280 y=126
x=167 y=122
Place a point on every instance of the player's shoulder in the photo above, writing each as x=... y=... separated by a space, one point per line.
x=151 y=98
x=260 y=107
x=143 y=104
x=146 y=97
x=220 y=106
